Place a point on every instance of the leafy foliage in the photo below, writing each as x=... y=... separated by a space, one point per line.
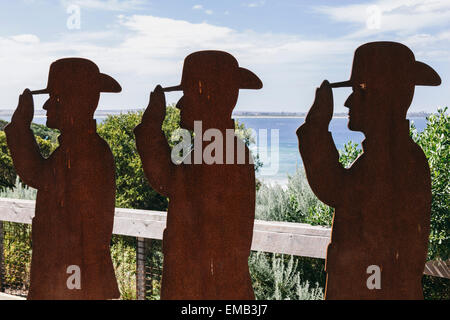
x=435 y=288
x=17 y=243
x=133 y=190
x=435 y=143
x=274 y=278
x=349 y=154
x=7 y=172
x=295 y=203
x=124 y=260
x=3 y=124
x=17 y=255
x=247 y=137
x=45 y=133
x=19 y=191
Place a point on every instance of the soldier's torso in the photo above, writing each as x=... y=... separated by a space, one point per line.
x=62 y=215
x=383 y=221
x=209 y=232
x=212 y=205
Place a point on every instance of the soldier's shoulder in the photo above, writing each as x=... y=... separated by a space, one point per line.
x=97 y=149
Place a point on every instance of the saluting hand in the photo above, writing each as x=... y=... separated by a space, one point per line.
x=156 y=110
x=25 y=110
x=321 y=111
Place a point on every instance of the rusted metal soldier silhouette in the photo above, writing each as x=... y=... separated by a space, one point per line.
x=211 y=210
x=382 y=202
x=72 y=227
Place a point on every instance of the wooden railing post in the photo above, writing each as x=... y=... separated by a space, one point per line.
x=140 y=269
x=149 y=267
x=2 y=259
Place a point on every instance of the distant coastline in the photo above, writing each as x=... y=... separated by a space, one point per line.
x=280 y=117
x=236 y=115
x=268 y=115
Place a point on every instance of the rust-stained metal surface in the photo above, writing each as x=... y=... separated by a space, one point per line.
x=382 y=202
x=76 y=185
x=211 y=210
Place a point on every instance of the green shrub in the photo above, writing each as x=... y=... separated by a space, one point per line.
x=294 y=203
x=133 y=190
x=17 y=256
x=435 y=143
x=436 y=288
x=274 y=278
x=124 y=260
x=3 y=124
x=19 y=191
x=45 y=133
x=7 y=172
x=349 y=153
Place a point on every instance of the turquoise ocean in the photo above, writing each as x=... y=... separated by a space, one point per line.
x=289 y=156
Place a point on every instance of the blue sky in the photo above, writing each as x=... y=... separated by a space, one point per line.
x=292 y=45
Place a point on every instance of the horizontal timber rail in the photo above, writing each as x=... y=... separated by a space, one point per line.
x=269 y=236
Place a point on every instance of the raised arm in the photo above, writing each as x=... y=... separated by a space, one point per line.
x=326 y=176
x=27 y=159
x=152 y=145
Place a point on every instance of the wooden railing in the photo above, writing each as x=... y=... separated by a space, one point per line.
x=268 y=236
x=278 y=237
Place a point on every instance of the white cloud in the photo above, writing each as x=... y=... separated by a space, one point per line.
x=167 y=37
x=151 y=50
x=413 y=22
x=25 y=38
x=255 y=4
x=400 y=16
x=109 y=5
x=143 y=51
x=200 y=7
x=423 y=25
